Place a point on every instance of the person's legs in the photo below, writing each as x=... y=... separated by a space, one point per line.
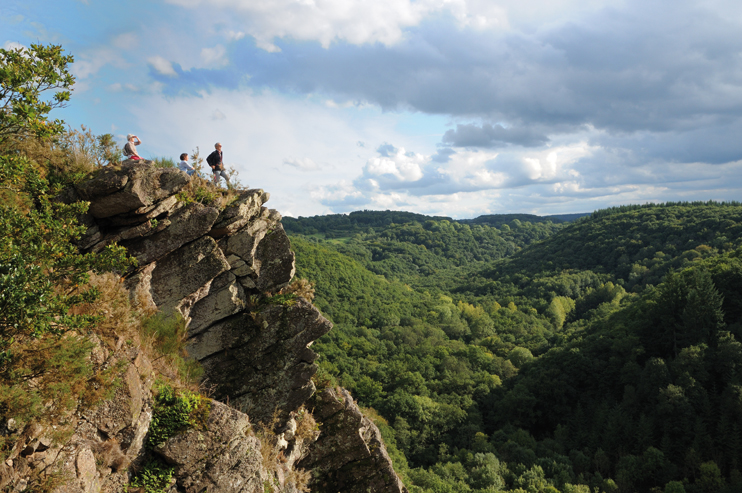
x=217 y=174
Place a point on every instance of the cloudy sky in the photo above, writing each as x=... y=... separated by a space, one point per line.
x=448 y=107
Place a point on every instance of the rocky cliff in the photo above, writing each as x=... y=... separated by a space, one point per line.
x=224 y=266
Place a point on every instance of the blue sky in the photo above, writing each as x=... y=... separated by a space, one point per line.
x=445 y=107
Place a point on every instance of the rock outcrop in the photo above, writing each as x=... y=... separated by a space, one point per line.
x=350 y=454
x=104 y=442
x=222 y=269
x=225 y=456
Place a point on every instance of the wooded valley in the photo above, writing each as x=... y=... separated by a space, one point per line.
x=527 y=354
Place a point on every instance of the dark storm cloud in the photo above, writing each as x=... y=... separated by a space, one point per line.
x=715 y=143
x=443 y=155
x=644 y=66
x=492 y=136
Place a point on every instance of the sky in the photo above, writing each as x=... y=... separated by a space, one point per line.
x=443 y=107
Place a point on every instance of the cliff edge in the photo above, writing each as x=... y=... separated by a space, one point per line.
x=225 y=266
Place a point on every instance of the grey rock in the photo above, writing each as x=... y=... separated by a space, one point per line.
x=274 y=261
x=241 y=269
x=246 y=282
x=247 y=206
x=244 y=242
x=265 y=364
x=107 y=181
x=187 y=224
x=133 y=185
x=185 y=271
x=350 y=454
x=162 y=208
x=219 y=337
x=224 y=457
x=225 y=297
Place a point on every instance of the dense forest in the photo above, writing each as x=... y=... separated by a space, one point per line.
x=530 y=354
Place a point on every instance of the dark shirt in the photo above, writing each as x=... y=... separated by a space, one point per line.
x=215 y=160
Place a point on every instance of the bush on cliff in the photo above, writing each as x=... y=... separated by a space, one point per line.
x=43 y=278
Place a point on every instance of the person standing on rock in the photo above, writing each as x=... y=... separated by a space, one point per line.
x=130 y=149
x=215 y=160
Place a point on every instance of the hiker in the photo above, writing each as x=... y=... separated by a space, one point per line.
x=130 y=149
x=215 y=160
x=184 y=166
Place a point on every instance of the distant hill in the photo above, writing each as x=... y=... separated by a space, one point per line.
x=338 y=225
x=333 y=225
x=567 y=218
x=496 y=220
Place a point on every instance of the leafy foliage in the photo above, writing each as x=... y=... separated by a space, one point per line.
x=175 y=411
x=154 y=477
x=601 y=355
x=24 y=75
x=48 y=307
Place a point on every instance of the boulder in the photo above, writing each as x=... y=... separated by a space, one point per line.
x=224 y=456
x=133 y=185
x=349 y=454
x=247 y=206
x=219 y=337
x=274 y=261
x=186 y=271
x=165 y=207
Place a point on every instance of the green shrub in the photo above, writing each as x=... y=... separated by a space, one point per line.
x=175 y=411
x=164 y=162
x=154 y=477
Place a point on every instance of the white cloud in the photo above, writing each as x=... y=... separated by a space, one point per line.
x=214 y=57
x=381 y=21
x=218 y=115
x=400 y=166
x=118 y=87
x=341 y=193
x=89 y=63
x=12 y=45
x=235 y=35
x=162 y=66
x=261 y=132
x=388 y=201
x=353 y=21
x=304 y=164
x=127 y=42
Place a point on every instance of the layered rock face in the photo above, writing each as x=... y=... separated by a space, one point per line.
x=220 y=269
x=215 y=267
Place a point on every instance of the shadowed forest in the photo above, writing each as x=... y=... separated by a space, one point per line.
x=529 y=354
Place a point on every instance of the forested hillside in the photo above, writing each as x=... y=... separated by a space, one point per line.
x=599 y=355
